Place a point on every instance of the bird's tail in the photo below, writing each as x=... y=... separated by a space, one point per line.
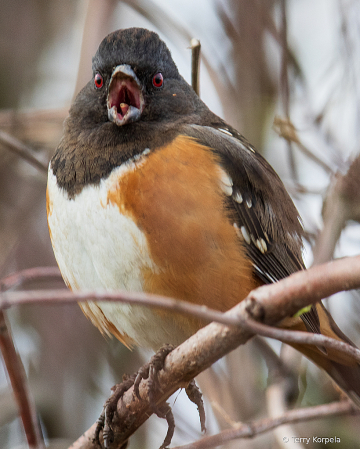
x=342 y=368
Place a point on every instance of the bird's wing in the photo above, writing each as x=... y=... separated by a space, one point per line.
x=264 y=211
x=261 y=208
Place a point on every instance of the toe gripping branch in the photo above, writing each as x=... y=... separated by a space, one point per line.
x=149 y=371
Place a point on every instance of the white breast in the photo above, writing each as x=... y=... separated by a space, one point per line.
x=98 y=248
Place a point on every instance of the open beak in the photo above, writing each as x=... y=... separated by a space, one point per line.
x=125 y=101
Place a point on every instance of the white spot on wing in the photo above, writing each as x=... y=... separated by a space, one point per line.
x=226 y=189
x=238 y=197
x=226 y=182
x=225 y=131
x=261 y=245
x=253 y=239
x=245 y=235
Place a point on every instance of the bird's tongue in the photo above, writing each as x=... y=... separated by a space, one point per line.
x=124 y=108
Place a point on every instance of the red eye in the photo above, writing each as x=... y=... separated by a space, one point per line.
x=158 y=80
x=98 y=80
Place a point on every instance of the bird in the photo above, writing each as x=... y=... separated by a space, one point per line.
x=150 y=191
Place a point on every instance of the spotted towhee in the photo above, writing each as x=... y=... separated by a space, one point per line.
x=150 y=191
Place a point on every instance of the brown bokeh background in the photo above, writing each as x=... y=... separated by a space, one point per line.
x=45 y=58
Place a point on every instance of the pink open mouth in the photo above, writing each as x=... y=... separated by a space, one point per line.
x=125 y=101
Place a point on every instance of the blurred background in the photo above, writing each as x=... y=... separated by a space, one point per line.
x=255 y=76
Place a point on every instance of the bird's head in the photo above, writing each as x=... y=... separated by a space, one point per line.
x=135 y=79
x=135 y=100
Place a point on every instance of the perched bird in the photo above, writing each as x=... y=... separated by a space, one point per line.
x=150 y=191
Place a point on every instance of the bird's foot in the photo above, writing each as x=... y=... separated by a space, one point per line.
x=194 y=394
x=149 y=371
x=105 y=420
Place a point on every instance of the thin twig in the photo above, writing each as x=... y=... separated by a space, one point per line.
x=285 y=84
x=28 y=275
x=286 y=129
x=49 y=297
x=290 y=295
x=284 y=61
x=299 y=337
x=22 y=150
x=255 y=428
x=195 y=64
x=18 y=380
x=342 y=203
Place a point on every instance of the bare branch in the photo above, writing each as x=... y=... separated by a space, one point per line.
x=195 y=64
x=202 y=312
x=289 y=295
x=287 y=130
x=255 y=428
x=28 y=275
x=284 y=85
x=17 y=376
x=299 y=337
x=22 y=150
x=41 y=127
x=277 y=301
x=341 y=205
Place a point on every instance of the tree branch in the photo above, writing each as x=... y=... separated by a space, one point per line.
x=255 y=428
x=284 y=86
x=276 y=301
x=299 y=337
x=18 y=380
x=22 y=150
x=286 y=129
x=195 y=64
x=342 y=203
x=30 y=274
